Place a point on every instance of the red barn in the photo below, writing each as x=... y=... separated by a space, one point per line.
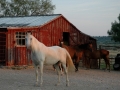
x=48 y=29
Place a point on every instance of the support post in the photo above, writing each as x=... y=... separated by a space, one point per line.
x=99 y=59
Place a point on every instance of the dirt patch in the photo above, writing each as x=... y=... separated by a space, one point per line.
x=93 y=79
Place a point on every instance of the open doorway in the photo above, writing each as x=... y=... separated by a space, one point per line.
x=2 y=48
x=66 y=36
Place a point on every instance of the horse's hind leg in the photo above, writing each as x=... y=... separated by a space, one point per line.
x=58 y=72
x=108 y=63
x=109 y=66
x=66 y=72
x=59 y=67
x=77 y=63
x=88 y=63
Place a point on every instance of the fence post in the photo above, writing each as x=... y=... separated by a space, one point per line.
x=99 y=59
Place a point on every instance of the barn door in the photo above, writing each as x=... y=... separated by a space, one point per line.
x=2 y=48
x=66 y=36
x=74 y=38
x=70 y=38
x=22 y=56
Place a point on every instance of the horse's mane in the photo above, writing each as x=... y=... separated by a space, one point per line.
x=34 y=40
x=35 y=43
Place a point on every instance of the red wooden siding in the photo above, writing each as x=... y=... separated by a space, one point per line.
x=49 y=34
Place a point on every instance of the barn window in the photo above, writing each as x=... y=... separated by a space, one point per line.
x=20 y=38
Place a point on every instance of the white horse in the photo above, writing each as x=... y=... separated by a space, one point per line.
x=41 y=54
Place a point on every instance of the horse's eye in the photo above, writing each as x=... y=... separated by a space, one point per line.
x=25 y=39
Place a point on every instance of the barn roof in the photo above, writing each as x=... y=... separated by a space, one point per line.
x=21 y=21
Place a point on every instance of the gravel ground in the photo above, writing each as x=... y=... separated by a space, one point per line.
x=92 y=79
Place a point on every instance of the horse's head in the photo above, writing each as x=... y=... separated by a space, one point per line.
x=28 y=40
x=60 y=43
x=90 y=47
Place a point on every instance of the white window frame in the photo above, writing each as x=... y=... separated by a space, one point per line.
x=20 y=38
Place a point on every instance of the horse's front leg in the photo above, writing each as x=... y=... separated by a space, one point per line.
x=105 y=64
x=76 y=66
x=36 y=72
x=41 y=73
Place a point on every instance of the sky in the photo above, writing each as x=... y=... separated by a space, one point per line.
x=92 y=17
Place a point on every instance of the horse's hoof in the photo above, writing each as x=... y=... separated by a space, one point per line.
x=67 y=85
x=105 y=70
x=57 y=84
x=40 y=85
x=36 y=85
x=86 y=68
x=62 y=74
x=76 y=70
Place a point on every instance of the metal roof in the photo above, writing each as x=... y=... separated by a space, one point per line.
x=21 y=21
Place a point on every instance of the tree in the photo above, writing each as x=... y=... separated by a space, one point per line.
x=115 y=30
x=26 y=7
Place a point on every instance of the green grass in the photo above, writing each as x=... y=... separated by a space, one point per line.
x=103 y=66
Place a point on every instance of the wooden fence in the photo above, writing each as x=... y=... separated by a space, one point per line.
x=113 y=51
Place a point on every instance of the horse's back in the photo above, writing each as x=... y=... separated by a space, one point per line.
x=105 y=52
x=80 y=54
x=96 y=54
x=58 y=50
x=71 y=50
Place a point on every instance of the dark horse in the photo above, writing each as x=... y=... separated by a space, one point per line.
x=97 y=54
x=74 y=52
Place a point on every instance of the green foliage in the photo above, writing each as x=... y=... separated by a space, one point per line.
x=115 y=30
x=26 y=7
x=105 y=40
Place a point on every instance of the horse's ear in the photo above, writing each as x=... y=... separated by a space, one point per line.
x=59 y=40
x=31 y=39
x=62 y=42
x=29 y=32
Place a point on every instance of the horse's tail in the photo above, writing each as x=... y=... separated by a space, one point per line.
x=69 y=62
